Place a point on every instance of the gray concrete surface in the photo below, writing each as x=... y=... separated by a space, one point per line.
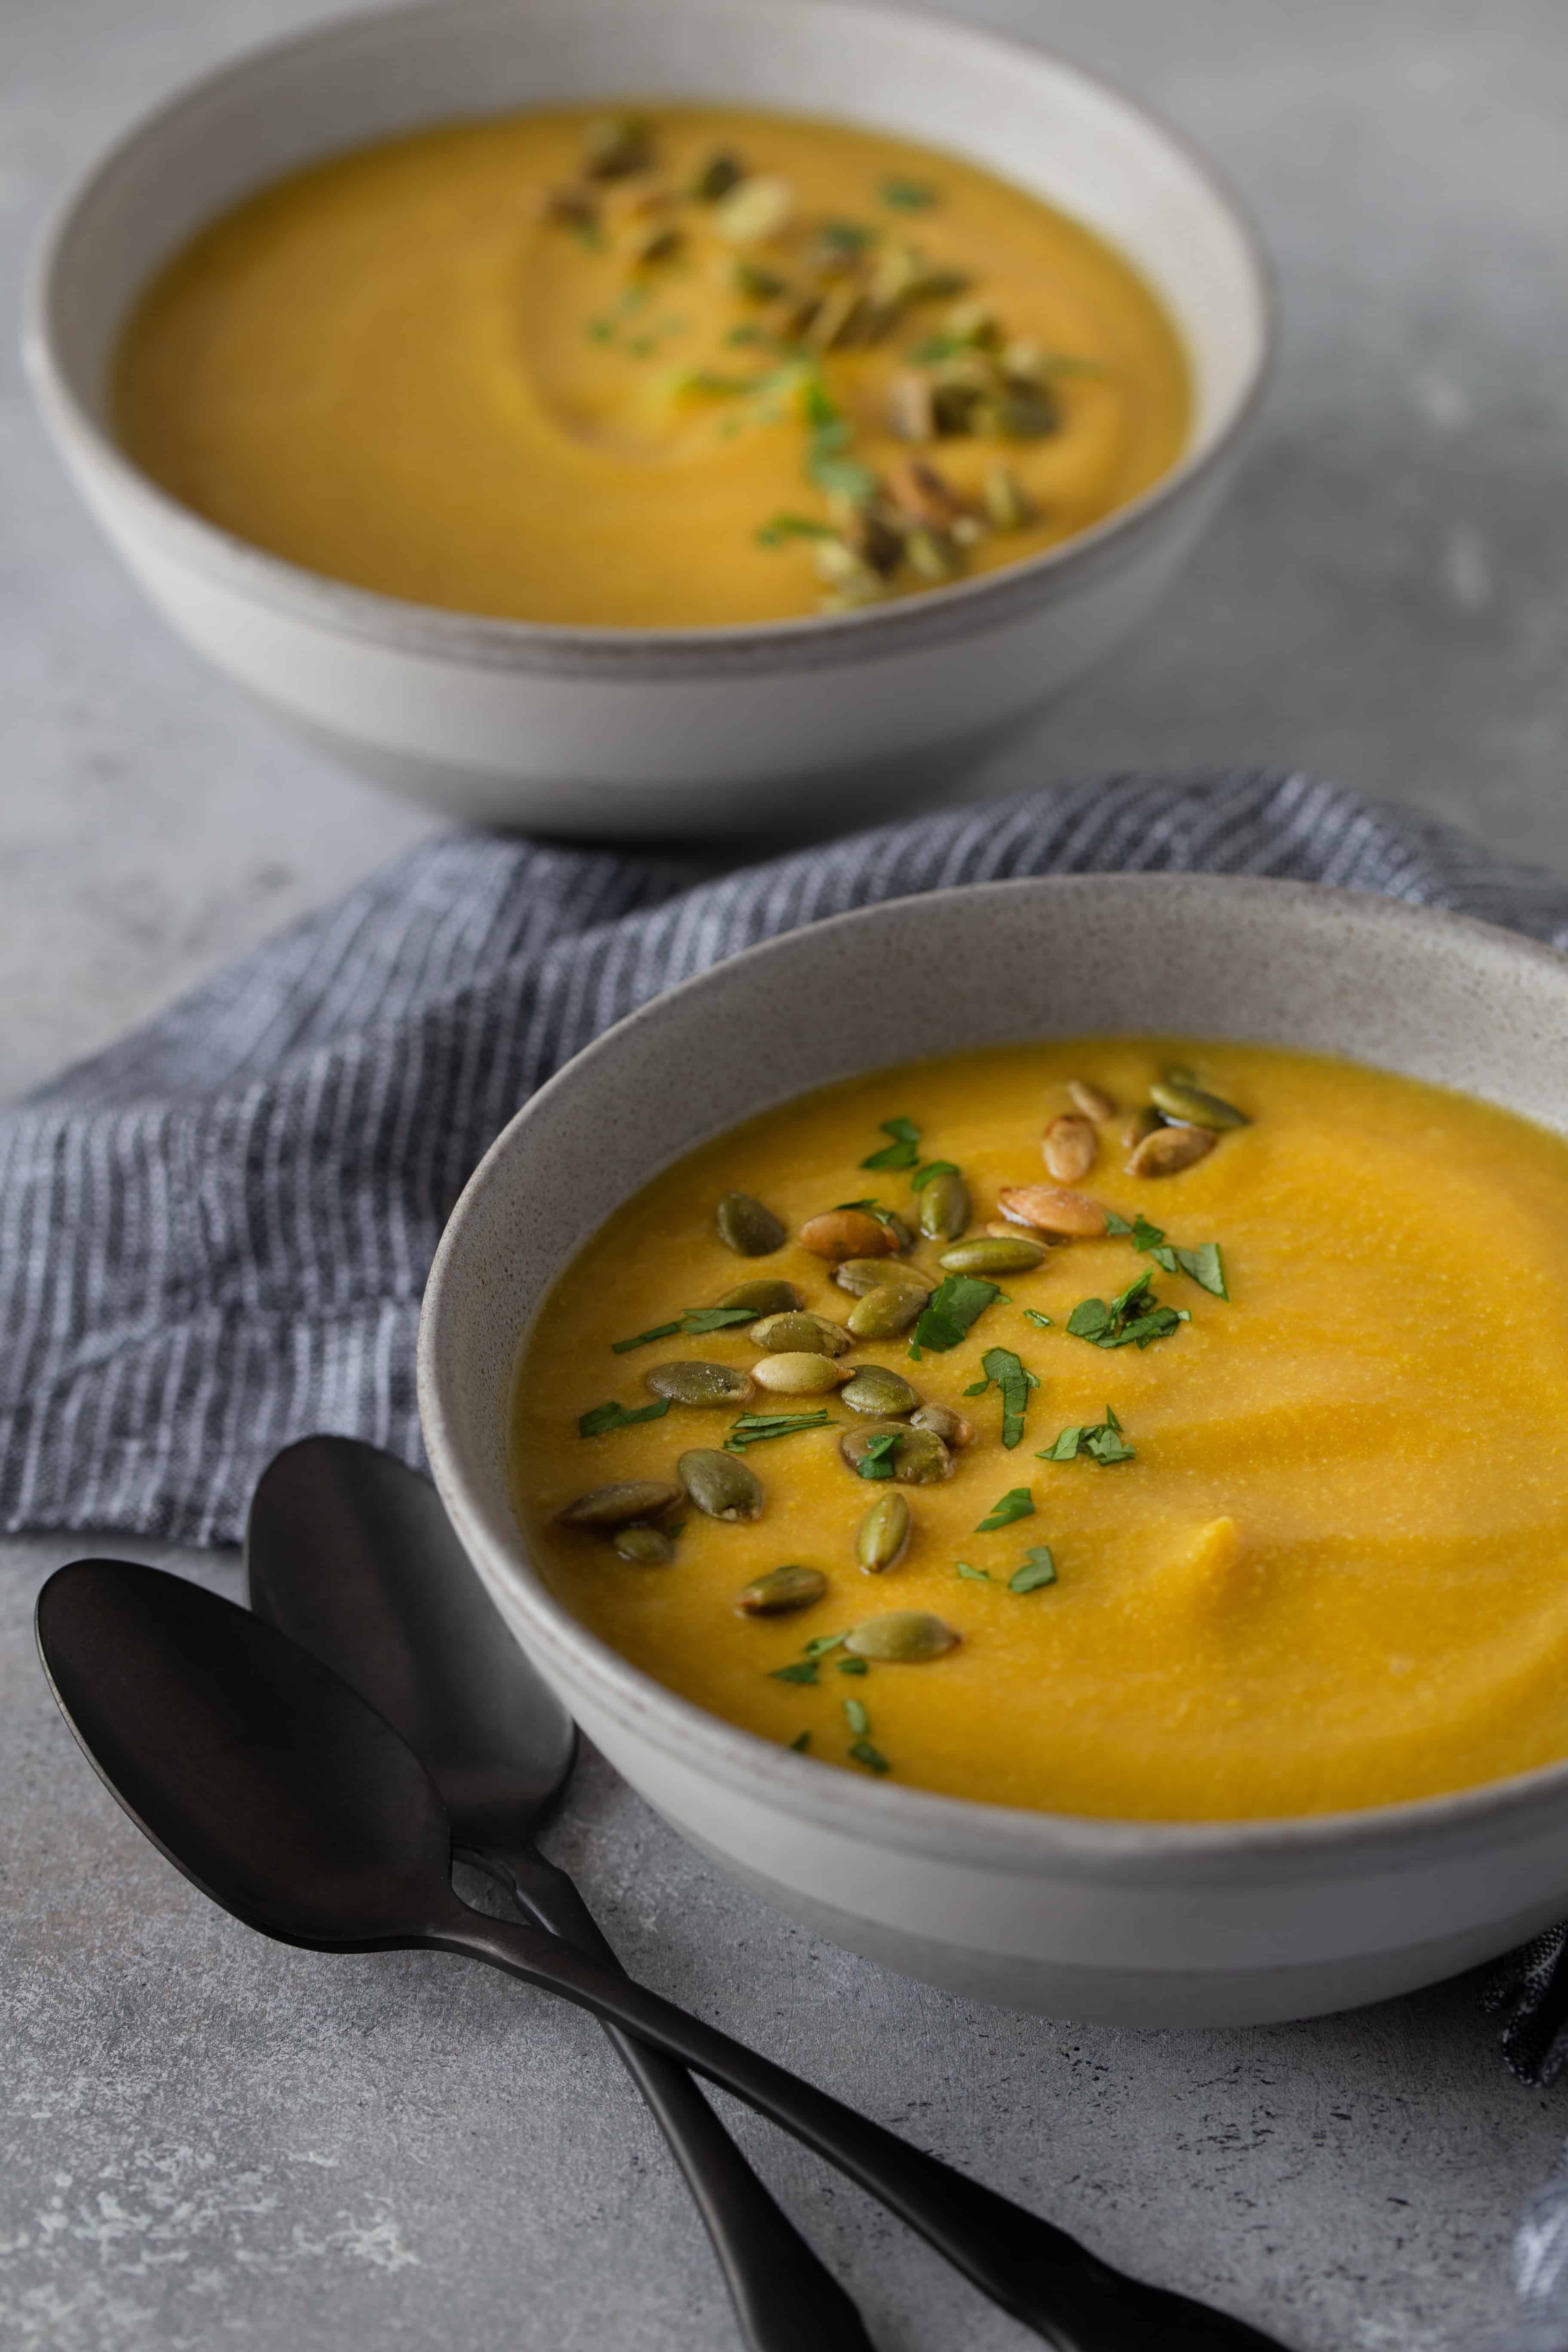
x=211 y=2140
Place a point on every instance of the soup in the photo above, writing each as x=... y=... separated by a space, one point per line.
x=694 y=367
x=1186 y=1439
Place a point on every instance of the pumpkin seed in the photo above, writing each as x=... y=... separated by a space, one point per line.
x=780 y=1590
x=1071 y=1148
x=689 y=1382
x=864 y=1275
x=919 y=1458
x=903 y=1236
x=954 y=1432
x=1144 y=1121
x=644 y=1545
x=756 y=208
x=943 y=1211
x=841 y=1233
x=1169 y=1149
x=721 y=1485
x=904 y=1637
x=798 y=1373
x=885 y=1311
x=875 y=1388
x=616 y=145
x=1193 y=1105
x=612 y=1505
x=746 y=1227
x=800 y=1334
x=989 y=1254
x=720 y=172
x=764 y=1298
x=883 y=1536
x=1006 y=506
x=1092 y=1100
x=1052 y=1209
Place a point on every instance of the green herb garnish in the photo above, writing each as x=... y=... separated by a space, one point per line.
x=953 y=1305
x=802 y=1669
x=853 y=1666
x=933 y=1168
x=695 y=1318
x=1042 y=1322
x=755 y=1428
x=973 y=1575
x=820 y=1644
x=847 y=235
x=1015 y=1381
x=1017 y=1503
x=902 y=1152
x=877 y=1461
x=1038 y=1568
x=869 y=1208
x=856 y=1717
x=908 y=195
x=828 y=435
x=606 y=1417
x=872 y=1758
x=1133 y=1318
x=1204 y=1263
x=791 y=526
x=801 y=1742
x=1103 y=1441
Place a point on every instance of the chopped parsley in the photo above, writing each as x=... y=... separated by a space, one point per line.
x=1204 y=1264
x=801 y=1670
x=827 y=462
x=1103 y=1441
x=1014 y=1381
x=952 y=1307
x=1038 y=1568
x=1017 y=1503
x=856 y=1717
x=908 y=195
x=877 y=1461
x=972 y=1575
x=755 y=1428
x=1041 y=1322
x=801 y=1742
x=606 y=1417
x=869 y=1208
x=784 y=526
x=1133 y=1318
x=853 y=1666
x=872 y=1758
x=903 y=1152
x=695 y=1318
x=820 y=1644
x=922 y=1176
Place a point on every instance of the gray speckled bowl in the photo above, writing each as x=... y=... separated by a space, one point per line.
x=1132 y=1923
x=646 y=732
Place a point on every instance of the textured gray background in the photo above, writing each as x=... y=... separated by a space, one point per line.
x=210 y=2138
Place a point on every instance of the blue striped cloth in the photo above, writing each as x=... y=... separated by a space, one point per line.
x=214 y=1236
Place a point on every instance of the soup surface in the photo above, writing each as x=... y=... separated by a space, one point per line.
x=690 y=368
x=1307 y=1549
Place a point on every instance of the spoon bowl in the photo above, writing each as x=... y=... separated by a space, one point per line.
x=274 y=1787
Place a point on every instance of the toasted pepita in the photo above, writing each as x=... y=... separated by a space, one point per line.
x=622 y=1500
x=781 y=1591
x=904 y=1637
x=1092 y=1100
x=720 y=1485
x=1194 y=1107
x=1071 y=1148
x=876 y=1390
x=989 y=1253
x=798 y=1373
x=690 y=1382
x=883 y=1536
x=1169 y=1149
x=1052 y=1209
x=747 y=1227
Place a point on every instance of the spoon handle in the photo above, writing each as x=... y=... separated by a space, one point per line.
x=1032 y=2270
x=784 y=2299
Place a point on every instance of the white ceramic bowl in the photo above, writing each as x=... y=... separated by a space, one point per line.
x=651 y=732
x=1125 y=1922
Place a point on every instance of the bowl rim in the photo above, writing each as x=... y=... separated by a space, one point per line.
x=963 y=1830
x=955 y=610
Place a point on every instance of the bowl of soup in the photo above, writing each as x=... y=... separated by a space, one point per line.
x=1053 y=1472
x=734 y=415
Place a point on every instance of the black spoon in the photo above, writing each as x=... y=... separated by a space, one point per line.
x=352 y=1554
x=288 y=1800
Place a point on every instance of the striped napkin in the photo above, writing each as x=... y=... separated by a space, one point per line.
x=214 y=1236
